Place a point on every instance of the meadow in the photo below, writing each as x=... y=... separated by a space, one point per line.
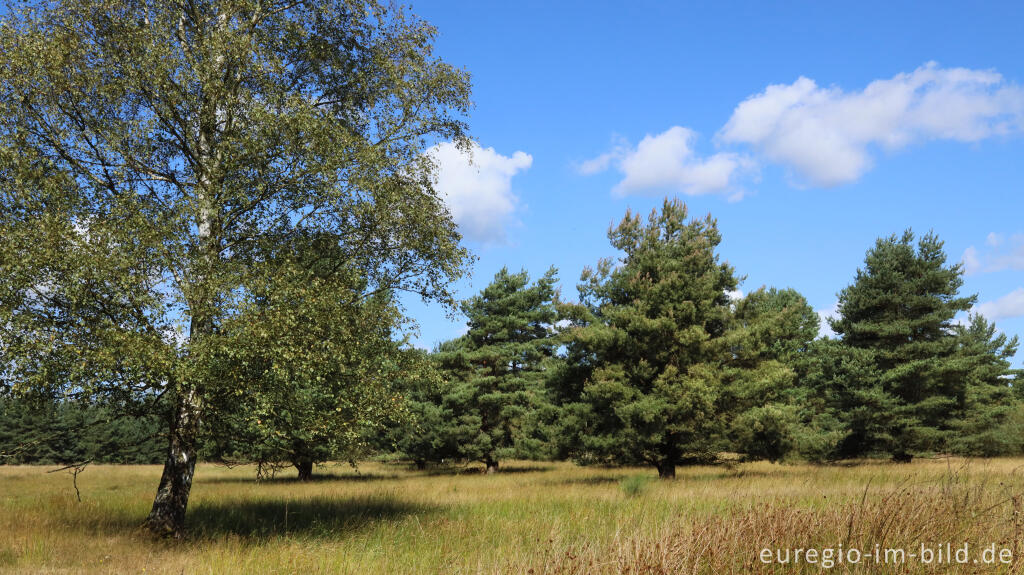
x=530 y=518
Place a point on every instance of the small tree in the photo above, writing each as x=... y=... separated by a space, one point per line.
x=650 y=330
x=497 y=368
x=432 y=432
x=992 y=422
x=331 y=380
x=770 y=329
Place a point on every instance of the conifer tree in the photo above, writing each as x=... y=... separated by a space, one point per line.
x=41 y=430
x=497 y=369
x=650 y=330
x=991 y=423
x=770 y=329
x=844 y=410
x=776 y=324
x=900 y=309
x=428 y=433
x=431 y=434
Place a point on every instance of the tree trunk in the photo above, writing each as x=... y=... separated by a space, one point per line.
x=167 y=517
x=305 y=468
x=492 y=465
x=666 y=470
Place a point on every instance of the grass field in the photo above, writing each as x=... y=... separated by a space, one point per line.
x=531 y=518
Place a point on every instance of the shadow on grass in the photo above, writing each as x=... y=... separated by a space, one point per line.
x=314 y=517
x=596 y=480
x=283 y=478
x=479 y=470
x=727 y=474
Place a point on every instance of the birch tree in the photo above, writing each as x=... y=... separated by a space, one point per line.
x=154 y=155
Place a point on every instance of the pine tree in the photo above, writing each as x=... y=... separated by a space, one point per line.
x=900 y=309
x=48 y=431
x=650 y=330
x=497 y=368
x=770 y=329
x=429 y=433
x=776 y=324
x=991 y=424
x=844 y=411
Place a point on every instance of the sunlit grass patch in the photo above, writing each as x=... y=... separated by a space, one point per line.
x=548 y=517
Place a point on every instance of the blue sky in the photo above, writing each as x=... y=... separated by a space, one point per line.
x=807 y=129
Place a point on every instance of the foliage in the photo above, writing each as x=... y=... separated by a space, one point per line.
x=429 y=432
x=320 y=401
x=497 y=369
x=158 y=162
x=329 y=378
x=993 y=420
x=36 y=431
x=900 y=310
x=770 y=330
x=651 y=328
x=904 y=378
x=777 y=324
x=845 y=410
x=765 y=432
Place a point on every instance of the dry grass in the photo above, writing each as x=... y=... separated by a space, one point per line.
x=539 y=518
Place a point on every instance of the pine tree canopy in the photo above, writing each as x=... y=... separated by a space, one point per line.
x=901 y=309
x=497 y=368
x=652 y=323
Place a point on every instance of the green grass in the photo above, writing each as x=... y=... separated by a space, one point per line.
x=634 y=485
x=548 y=517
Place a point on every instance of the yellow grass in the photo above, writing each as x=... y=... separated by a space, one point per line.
x=532 y=517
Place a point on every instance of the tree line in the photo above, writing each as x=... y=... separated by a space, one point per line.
x=659 y=363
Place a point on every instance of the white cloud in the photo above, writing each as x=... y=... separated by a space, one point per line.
x=667 y=163
x=1002 y=253
x=825 y=330
x=827 y=136
x=971 y=261
x=602 y=162
x=1010 y=305
x=477 y=188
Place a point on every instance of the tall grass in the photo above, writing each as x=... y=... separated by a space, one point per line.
x=634 y=485
x=531 y=518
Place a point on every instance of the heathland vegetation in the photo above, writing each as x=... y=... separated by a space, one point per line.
x=209 y=214
x=553 y=518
